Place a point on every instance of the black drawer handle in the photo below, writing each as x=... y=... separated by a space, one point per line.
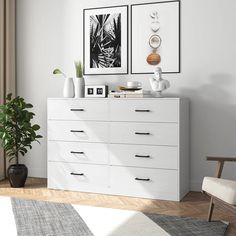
x=141 y=110
x=142 y=179
x=77 y=131
x=78 y=109
x=140 y=133
x=73 y=152
x=80 y=174
x=143 y=156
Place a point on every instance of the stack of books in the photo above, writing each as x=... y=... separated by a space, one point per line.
x=128 y=93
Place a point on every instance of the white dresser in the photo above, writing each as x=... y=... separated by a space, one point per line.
x=130 y=147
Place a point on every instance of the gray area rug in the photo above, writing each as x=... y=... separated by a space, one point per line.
x=39 y=218
x=187 y=226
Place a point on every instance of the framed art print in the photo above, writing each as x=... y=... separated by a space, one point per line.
x=105 y=40
x=155 y=37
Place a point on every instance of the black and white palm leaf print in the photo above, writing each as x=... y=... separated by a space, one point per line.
x=105 y=40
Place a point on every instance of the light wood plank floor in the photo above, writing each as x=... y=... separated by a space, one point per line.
x=195 y=204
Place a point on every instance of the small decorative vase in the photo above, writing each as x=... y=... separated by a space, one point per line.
x=69 y=89
x=79 y=87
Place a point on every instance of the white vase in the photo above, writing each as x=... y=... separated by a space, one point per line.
x=69 y=89
x=79 y=87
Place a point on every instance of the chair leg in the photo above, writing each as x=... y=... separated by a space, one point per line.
x=210 y=211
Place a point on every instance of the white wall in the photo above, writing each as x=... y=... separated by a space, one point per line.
x=49 y=35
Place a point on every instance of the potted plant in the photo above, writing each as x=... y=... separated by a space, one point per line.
x=16 y=135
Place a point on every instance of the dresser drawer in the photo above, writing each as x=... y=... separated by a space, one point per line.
x=92 y=153
x=147 y=183
x=144 y=133
x=81 y=109
x=83 y=131
x=144 y=156
x=145 y=110
x=77 y=177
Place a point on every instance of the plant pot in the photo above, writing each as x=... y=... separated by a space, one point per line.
x=68 y=89
x=17 y=175
x=79 y=87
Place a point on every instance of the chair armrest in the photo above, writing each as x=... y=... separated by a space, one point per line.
x=221 y=159
x=220 y=163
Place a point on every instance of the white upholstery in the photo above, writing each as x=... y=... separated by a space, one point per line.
x=221 y=188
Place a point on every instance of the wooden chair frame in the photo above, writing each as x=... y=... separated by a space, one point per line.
x=219 y=169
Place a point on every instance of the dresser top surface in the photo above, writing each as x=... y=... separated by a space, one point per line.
x=117 y=99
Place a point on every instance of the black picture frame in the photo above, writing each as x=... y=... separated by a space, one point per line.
x=179 y=36
x=126 y=41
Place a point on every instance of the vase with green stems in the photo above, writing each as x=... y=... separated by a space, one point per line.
x=79 y=80
x=68 y=88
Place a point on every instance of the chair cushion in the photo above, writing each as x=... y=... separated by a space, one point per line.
x=221 y=188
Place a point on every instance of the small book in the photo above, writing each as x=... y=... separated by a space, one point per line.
x=116 y=95
x=136 y=92
x=138 y=95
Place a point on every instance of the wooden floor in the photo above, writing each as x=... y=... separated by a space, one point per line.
x=195 y=204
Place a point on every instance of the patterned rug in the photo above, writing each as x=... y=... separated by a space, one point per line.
x=39 y=218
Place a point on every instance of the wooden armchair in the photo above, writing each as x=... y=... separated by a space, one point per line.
x=220 y=190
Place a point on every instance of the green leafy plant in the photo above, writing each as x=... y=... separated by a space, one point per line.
x=58 y=72
x=79 y=69
x=16 y=130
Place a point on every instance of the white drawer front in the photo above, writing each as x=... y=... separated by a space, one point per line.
x=84 y=131
x=147 y=183
x=145 y=110
x=93 y=153
x=77 y=177
x=144 y=156
x=144 y=133
x=81 y=109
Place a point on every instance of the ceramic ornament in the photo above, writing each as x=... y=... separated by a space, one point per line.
x=155 y=25
x=153 y=59
x=158 y=84
x=154 y=15
x=68 y=89
x=155 y=41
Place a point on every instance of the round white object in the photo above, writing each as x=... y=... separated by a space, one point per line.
x=134 y=84
x=155 y=41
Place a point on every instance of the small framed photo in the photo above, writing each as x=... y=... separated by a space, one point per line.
x=90 y=91
x=96 y=91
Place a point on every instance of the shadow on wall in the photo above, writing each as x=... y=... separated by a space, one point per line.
x=213 y=124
